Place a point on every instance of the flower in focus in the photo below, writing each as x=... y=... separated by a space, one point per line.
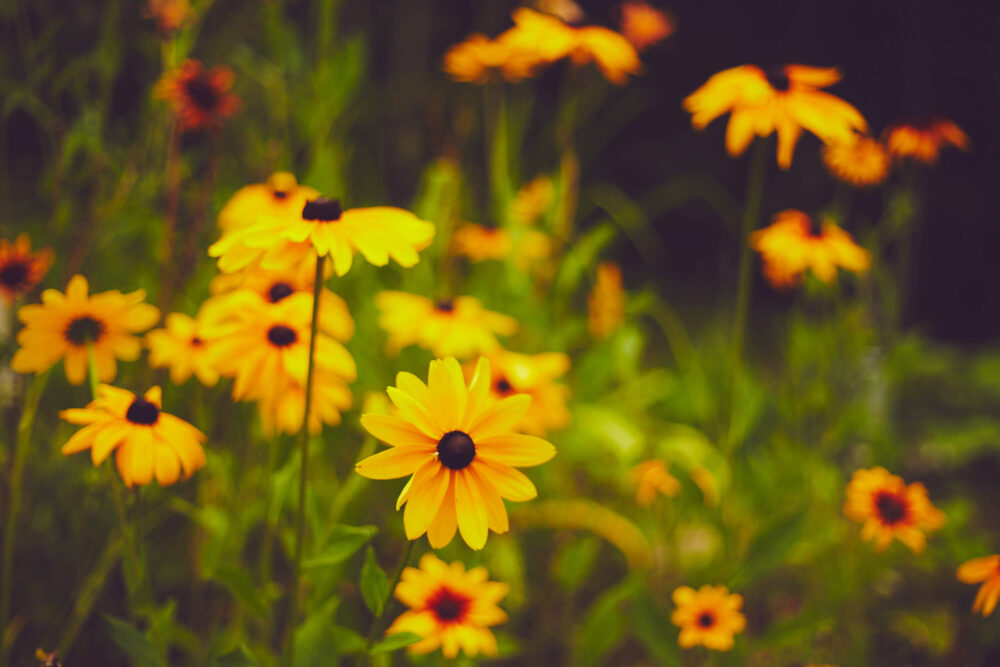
x=63 y=325
x=611 y=52
x=534 y=375
x=458 y=327
x=923 y=139
x=458 y=444
x=861 y=162
x=785 y=100
x=183 y=348
x=652 y=478
x=532 y=200
x=200 y=98
x=709 y=616
x=20 y=269
x=147 y=442
x=644 y=25
x=606 y=302
x=889 y=508
x=169 y=15
x=280 y=197
x=987 y=571
x=794 y=242
x=449 y=607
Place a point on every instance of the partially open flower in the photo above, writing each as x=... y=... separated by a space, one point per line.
x=987 y=571
x=200 y=98
x=21 y=269
x=922 y=139
x=644 y=25
x=861 y=162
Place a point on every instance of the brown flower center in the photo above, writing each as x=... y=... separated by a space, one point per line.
x=778 y=78
x=142 y=412
x=322 y=210
x=891 y=507
x=279 y=291
x=14 y=275
x=83 y=330
x=456 y=450
x=445 y=305
x=815 y=228
x=503 y=386
x=448 y=606
x=706 y=619
x=202 y=93
x=281 y=336
x=197 y=342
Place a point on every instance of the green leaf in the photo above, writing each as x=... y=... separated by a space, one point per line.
x=576 y=561
x=604 y=627
x=374 y=583
x=343 y=542
x=237 y=657
x=314 y=643
x=242 y=587
x=347 y=641
x=395 y=642
x=140 y=650
x=769 y=547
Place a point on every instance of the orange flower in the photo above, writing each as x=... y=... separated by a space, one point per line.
x=606 y=303
x=986 y=570
x=611 y=52
x=644 y=25
x=535 y=375
x=169 y=15
x=923 y=139
x=889 y=508
x=20 y=270
x=652 y=478
x=200 y=98
x=861 y=162
x=710 y=616
x=480 y=59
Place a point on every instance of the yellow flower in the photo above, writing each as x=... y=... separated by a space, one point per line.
x=987 y=571
x=458 y=327
x=281 y=197
x=863 y=161
x=282 y=411
x=651 y=478
x=449 y=607
x=644 y=25
x=378 y=233
x=20 y=269
x=709 y=616
x=889 y=508
x=923 y=139
x=536 y=376
x=147 y=442
x=63 y=324
x=785 y=100
x=606 y=303
x=611 y=52
x=794 y=243
x=459 y=446
x=546 y=37
x=480 y=59
x=532 y=200
x=182 y=347
x=480 y=243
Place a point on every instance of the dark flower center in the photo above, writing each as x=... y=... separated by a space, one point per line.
x=142 y=412
x=778 y=78
x=456 y=450
x=279 y=291
x=279 y=194
x=13 y=275
x=891 y=508
x=83 y=330
x=706 y=619
x=203 y=93
x=281 y=336
x=815 y=228
x=197 y=342
x=322 y=210
x=445 y=305
x=448 y=606
x=503 y=386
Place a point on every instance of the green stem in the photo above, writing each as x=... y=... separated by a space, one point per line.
x=377 y=622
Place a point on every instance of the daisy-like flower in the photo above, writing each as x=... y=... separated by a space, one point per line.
x=457 y=443
x=644 y=25
x=280 y=197
x=794 y=243
x=652 y=478
x=923 y=139
x=458 y=327
x=449 y=607
x=63 y=325
x=20 y=269
x=378 y=233
x=200 y=98
x=147 y=442
x=612 y=53
x=480 y=243
x=606 y=302
x=183 y=348
x=987 y=571
x=710 y=616
x=535 y=375
x=170 y=15
x=282 y=411
x=785 y=100
x=889 y=509
x=480 y=59
x=861 y=162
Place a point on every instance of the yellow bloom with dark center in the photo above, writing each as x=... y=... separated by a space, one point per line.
x=200 y=98
x=458 y=327
x=889 y=509
x=794 y=243
x=923 y=139
x=644 y=25
x=785 y=100
x=449 y=607
x=987 y=571
x=457 y=443
x=652 y=478
x=710 y=616
x=535 y=375
x=282 y=411
x=20 y=269
x=183 y=348
x=861 y=162
x=63 y=325
x=147 y=442
x=280 y=197
x=606 y=302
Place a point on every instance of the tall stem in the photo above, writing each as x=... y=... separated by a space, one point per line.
x=377 y=621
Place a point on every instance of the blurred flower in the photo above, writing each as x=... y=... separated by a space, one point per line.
x=282 y=411
x=169 y=15
x=611 y=52
x=785 y=100
x=20 y=269
x=567 y=10
x=147 y=443
x=923 y=139
x=794 y=243
x=535 y=375
x=987 y=571
x=459 y=445
x=651 y=478
x=889 y=508
x=709 y=616
x=644 y=25
x=183 y=348
x=458 y=327
x=863 y=161
x=532 y=200
x=606 y=303
x=449 y=607
x=63 y=324
x=200 y=98
x=480 y=59
x=280 y=197
x=480 y=243
x=48 y=659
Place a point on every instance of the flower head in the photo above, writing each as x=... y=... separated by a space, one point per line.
x=535 y=375
x=923 y=139
x=449 y=607
x=609 y=51
x=644 y=25
x=170 y=15
x=889 y=509
x=532 y=200
x=606 y=302
x=63 y=325
x=480 y=243
x=987 y=571
x=480 y=59
x=280 y=197
x=147 y=442
x=861 y=162
x=20 y=269
x=200 y=98
x=652 y=478
x=183 y=348
x=457 y=443
x=709 y=616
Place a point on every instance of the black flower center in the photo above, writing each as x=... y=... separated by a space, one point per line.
x=142 y=412
x=279 y=194
x=14 y=274
x=815 y=228
x=778 y=78
x=445 y=305
x=197 y=342
x=203 y=93
x=706 y=619
x=891 y=508
x=83 y=330
x=448 y=606
x=503 y=386
x=456 y=450
x=281 y=336
x=322 y=210
x=279 y=291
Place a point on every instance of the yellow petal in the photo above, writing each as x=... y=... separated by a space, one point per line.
x=393 y=463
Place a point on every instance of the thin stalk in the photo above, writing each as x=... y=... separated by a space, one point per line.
x=173 y=196
x=397 y=575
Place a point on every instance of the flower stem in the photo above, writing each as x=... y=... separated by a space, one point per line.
x=377 y=622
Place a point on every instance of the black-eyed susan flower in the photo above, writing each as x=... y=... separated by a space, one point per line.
x=63 y=325
x=794 y=243
x=148 y=443
x=606 y=302
x=449 y=607
x=987 y=571
x=861 y=162
x=170 y=15
x=199 y=98
x=480 y=243
x=889 y=509
x=710 y=616
x=644 y=25
x=531 y=200
x=651 y=479
x=21 y=269
x=608 y=50
x=282 y=411
x=922 y=139
x=785 y=100
x=458 y=445
x=183 y=348
x=458 y=327
x=480 y=59
x=280 y=197
x=536 y=375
